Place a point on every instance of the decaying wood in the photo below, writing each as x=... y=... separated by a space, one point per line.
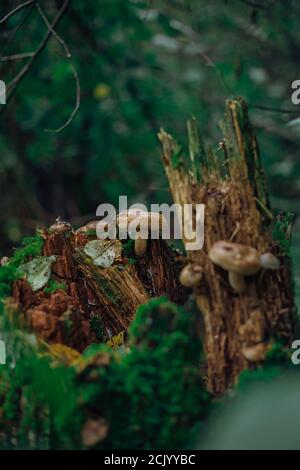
x=105 y=297
x=236 y=209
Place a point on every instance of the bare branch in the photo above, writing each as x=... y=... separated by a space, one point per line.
x=17 y=28
x=21 y=56
x=16 y=10
x=12 y=86
x=74 y=71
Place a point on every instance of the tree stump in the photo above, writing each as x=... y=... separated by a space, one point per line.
x=239 y=328
x=97 y=303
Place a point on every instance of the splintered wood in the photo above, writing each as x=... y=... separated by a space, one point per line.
x=236 y=209
x=97 y=302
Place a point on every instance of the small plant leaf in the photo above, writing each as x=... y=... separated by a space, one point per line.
x=103 y=252
x=38 y=271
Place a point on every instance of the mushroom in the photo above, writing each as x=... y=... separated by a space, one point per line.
x=255 y=353
x=269 y=261
x=191 y=275
x=4 y=261
x=240 y=261
x=60 y=225
x=146 y=221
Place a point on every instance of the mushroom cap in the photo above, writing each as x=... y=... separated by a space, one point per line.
x=241 y=259
x=147 y=220
x=4 y=261
x=191 y=275
x=269 y=261
x=125 y=217
x=255 y=353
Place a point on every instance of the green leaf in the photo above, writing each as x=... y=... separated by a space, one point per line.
x=103 y=252
x=38 y=271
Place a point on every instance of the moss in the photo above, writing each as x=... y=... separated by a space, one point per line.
x=31 y=247
x=91 y=233
x=97 y=327
x=282 y=232
x=53 y=286
x=109 y=292
x=151 y=397
x=128 y=248
x=176 y=157
x=278 y=355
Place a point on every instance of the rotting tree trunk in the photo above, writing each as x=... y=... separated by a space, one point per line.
x=98 y=302
x=236 y=209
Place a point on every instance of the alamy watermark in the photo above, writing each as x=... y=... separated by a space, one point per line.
x=295 y=98
x=295 y=358
x=2 y=92
x=162 y=221
x=2 y=353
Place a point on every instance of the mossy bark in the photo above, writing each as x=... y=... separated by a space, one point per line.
x=232 y=187
x=98 y=302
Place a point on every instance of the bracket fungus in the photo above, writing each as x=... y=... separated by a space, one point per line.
x=240 y=261
x=191 y=275
x=142 y=223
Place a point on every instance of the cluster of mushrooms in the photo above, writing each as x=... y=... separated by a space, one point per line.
x=239 y=260
x=145 y=223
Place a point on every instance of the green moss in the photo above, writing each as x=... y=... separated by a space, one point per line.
x=109 y=292
x=31 y=247
x=176 y=157
x=128 y=248
x=97 y=327
x=53 y=286
x=282 y=232
x=91 y=233
x=278 y=355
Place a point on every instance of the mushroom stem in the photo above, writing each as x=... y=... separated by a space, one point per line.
x=237 y=281
x=140 y=246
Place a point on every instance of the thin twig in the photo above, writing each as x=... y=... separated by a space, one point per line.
x=13 y=57
x=12 y=86
x=16 y=10
x=74 y=71
x=17 y=28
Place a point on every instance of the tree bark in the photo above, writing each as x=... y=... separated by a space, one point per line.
x=239 y=328
x=98 y=303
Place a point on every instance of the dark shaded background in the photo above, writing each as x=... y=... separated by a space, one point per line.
x=141 y=65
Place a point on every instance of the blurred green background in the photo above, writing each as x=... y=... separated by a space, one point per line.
x=142 y=65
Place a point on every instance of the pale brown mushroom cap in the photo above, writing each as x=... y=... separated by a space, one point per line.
x=240 y=259
x=153 y=221
x=124 y=218
x=191 y=275
x=269 y=261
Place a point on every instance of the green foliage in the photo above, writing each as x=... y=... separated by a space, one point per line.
x=31 y=247
x=163 y=370
x=282 y=232
x=150 y=397
x=176 y=157
x=53 y=286
x=128 y=251
x=97 y=327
